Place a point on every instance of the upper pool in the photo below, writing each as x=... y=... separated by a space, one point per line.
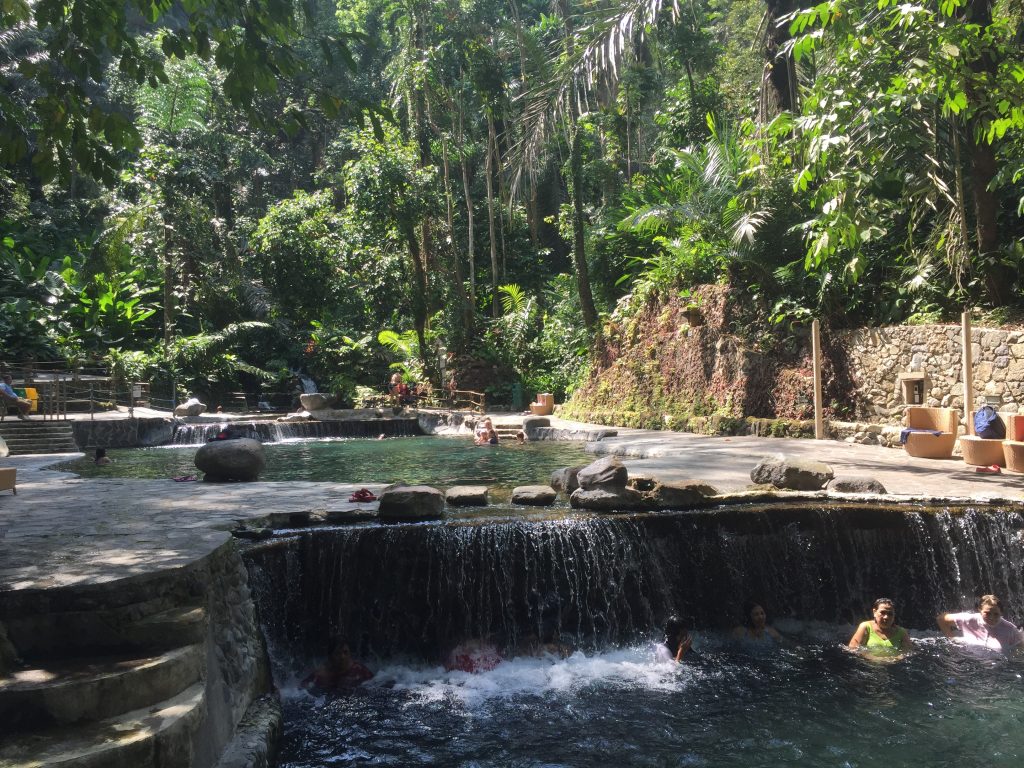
x=438 y=461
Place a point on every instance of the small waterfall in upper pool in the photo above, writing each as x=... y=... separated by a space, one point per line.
x=275 y=432
x=419 y=589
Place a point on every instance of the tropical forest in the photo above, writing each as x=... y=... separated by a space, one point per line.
x=494 y=195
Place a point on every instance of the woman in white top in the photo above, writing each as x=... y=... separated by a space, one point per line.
x=985 y=628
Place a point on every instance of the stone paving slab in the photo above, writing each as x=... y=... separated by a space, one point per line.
x=61 y=530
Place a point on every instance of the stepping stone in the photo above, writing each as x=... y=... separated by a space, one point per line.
x=467 y=496
x=534 y=495
x=411 y=502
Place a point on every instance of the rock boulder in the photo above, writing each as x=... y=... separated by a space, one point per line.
x=608 y=499
x=607 y=472
x=411 y=502
x=189 y=408
x=534 y=495
x=681 y=495
x=565 y=480
x=792 y=474
x=222 y=460
x=851 y=484
x=316 y=401
x=467 y=496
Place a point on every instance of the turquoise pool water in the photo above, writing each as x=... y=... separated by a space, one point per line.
x=438 y=461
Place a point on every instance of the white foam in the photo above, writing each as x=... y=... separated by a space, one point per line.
x=631 y=667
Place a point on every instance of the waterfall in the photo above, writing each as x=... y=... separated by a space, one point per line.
x=419 y=589
x=275 y=432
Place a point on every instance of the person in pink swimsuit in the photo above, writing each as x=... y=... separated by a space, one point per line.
x=986 y=628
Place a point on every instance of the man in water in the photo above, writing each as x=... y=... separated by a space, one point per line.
x=339 y=672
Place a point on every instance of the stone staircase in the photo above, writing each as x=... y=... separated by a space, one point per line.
x=113 y=694
x=105 y=681
x=506 y=427
x=37 y=436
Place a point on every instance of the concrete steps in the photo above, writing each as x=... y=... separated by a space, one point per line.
x=81 y=690
x=125 y=629
x=37 y=436
x=118 y=686
x=507 y=427
x=159 y=736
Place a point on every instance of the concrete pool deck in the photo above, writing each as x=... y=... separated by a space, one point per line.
x=61 y=530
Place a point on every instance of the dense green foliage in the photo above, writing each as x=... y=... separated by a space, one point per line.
x=220 y=195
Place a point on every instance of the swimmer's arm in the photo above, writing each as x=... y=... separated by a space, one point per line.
x=907 y=643
x=859 y=636
x=776 y=636
x=683 y=648
x=946 y=624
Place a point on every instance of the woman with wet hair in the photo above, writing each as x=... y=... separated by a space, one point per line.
x=755 y=627
x=882 y=634
x=986 y=627
x=677 y=641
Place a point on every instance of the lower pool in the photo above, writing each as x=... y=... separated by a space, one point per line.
x=811 y=704
x=438 y=461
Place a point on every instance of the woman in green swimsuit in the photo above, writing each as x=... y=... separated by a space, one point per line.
x=881 y=635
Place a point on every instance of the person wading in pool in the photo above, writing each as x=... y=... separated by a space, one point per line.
x=881 y=634
x=339 y=672
x=986 y=628
x=755 y=628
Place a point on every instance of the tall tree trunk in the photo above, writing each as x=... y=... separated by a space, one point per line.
x=531 y=173
x=781 y=72
x=579 y=256
x=465 y=315
x=169 y=283
x=471 y=234
x=998 y=277
x=491 y=226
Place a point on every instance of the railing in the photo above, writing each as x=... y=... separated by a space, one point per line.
x=455 y=399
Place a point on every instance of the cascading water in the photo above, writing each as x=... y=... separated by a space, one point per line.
x=276 y=432
x=403 y=595
x=420 y=589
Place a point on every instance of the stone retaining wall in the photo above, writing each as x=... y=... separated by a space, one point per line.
x=875 y=358
x=122 y=433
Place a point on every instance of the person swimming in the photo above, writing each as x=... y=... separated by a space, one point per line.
x=677 y=642
x=881 y=634
x=340 y=671
x=986 y=628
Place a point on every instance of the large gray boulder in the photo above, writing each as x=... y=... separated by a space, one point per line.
x=533 y=423
x=467 y=496
x=854 y=484
x=534 y=495
x=190 y=408
x=411 y=502
x=316 y=401
x=566 y=479
x=221 y=460
x=608 y=499
x=792 y=474
x=607 y=472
